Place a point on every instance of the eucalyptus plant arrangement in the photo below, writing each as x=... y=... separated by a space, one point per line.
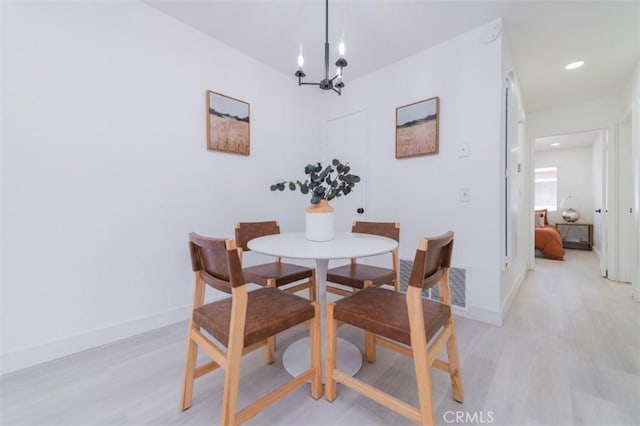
x=335 y=180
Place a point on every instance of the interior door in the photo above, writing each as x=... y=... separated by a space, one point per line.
x=346 y=140
x=619 y=211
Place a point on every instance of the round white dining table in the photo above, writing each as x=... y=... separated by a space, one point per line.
x=296 y=357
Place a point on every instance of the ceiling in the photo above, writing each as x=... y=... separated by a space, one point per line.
x=543 y=37
x=571 y=140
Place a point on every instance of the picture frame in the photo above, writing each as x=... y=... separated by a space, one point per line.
x=228 y=124
x=417 y=127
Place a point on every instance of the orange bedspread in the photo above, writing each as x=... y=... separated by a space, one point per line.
x=549 y=242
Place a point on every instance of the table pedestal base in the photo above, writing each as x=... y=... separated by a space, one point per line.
x=296 y=358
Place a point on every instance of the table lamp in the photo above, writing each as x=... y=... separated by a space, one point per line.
x=569 y=214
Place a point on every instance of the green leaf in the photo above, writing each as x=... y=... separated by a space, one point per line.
x=304 y=188
x=280 y=186
x=335 y=162
x=292 y=186
x=315 y=199
x=274 y=187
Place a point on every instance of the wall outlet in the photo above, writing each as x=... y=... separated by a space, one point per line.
x=465 y=195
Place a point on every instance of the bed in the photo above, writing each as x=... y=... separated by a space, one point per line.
x=547 y=237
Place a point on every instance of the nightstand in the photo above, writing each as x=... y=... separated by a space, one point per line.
x=576 y=235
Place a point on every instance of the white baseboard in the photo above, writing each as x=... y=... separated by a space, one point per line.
x=479 y=314
x=635 y=294
x=37 y=354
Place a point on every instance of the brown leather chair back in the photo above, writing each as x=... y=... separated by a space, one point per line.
x=246 y=231
x=383 y=229
x=217 y=261
x=432 y=260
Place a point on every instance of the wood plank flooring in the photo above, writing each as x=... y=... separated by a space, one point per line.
x=568 y=354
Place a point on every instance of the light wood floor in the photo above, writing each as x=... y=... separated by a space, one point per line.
x=569 y=353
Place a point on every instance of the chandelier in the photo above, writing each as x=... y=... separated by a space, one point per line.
x=326 y=83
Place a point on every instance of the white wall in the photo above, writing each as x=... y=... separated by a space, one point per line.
x=575 y=178
x=422 y=193
x=105 y=169
x=592 y=115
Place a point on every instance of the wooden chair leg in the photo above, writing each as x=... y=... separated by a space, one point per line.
x=312 y=286
x=316 y=356
x=231 y=385
x=423 y=378
x=454 y=364
x=420 y=356
x=189 y=373
x=270 y=347
x=331 y=341
x=370 y=346
x=369 y=342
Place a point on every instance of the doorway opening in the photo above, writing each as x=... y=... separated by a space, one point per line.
x=569 y=193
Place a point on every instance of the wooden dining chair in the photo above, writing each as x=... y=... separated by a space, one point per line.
x=273 y=274
x=357 y=275
x=405 y=323
x=241 y=323
x=276 y=273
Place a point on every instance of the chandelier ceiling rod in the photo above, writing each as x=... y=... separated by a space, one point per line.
x=326 y=83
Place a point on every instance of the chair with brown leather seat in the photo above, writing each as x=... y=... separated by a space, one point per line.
x=357 y=275
x=277 y=273
x=273 y=274
x=405 y=323
x=241 y=323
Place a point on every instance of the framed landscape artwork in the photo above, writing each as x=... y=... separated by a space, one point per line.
x=417 y=128
x=227 y=124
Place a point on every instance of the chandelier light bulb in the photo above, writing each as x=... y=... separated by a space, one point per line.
x=300 y=61
x=341 y=48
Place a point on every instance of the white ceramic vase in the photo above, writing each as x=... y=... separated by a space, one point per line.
x=319 y=222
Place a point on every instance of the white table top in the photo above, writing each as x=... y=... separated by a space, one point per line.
x=343 y=246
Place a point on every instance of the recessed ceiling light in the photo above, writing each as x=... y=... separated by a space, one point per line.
x=574 y=65
x=555 y=144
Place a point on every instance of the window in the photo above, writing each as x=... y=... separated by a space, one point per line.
x=546 y=188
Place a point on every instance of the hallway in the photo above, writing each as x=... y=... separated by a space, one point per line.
x=569 y=353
